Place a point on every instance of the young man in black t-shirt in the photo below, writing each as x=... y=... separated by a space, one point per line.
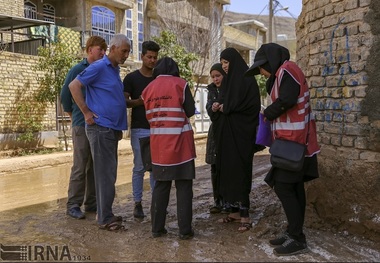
x=134 y=83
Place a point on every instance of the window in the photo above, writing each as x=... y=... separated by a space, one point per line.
x=140 y=20
x=30 y=10
x=49 y=12
x=103 y=23
x=128 y=24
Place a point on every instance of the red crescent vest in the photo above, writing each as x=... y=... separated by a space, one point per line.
x=171 y=134
x=294 y=124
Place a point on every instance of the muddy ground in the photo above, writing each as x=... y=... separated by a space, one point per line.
x=45 y=226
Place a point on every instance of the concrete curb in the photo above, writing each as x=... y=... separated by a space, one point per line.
x=24 y=163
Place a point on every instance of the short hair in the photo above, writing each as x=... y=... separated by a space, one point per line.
x=94 y=41
x=149 y=46
x=118 y=39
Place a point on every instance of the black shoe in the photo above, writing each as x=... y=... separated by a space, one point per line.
x=138 y=211
x=279 y=240
x=290 y=247
x=187 y=236
x=159 y=233
x=76 y=213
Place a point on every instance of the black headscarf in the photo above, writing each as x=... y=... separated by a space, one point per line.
x=273 y=54
x=166 y=66
x=218 y=67
x=234 y=86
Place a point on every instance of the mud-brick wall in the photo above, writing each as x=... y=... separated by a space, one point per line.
x=338 y=49
x=18 y=85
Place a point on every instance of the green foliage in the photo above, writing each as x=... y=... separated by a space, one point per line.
x=170 y=48
x=54 y=61
x=261 y=81
x=28 y=120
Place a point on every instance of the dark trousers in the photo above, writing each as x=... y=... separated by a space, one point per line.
x=215 y=185
x=82 y=183
x=160 y=201
x=104 y=143
x=293 y=200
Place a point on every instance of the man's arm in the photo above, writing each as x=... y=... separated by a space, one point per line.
x=133 y=103
x=65 y=96
x=189 y=103
x=75 y=88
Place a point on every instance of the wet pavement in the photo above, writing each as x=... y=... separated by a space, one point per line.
x=33 y=221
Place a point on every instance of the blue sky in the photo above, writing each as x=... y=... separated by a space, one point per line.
x=261 y=7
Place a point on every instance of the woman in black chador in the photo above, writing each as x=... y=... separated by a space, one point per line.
x=235 y=134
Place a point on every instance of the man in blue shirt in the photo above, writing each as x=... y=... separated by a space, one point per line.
x=105 y=115
x=81 y=184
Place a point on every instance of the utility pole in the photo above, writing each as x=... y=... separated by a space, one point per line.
x=270 y=20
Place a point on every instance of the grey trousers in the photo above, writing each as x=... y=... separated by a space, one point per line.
x=160 y=201
x=82 y=183
x=104 y=143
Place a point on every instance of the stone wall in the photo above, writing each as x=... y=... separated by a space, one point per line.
x=338 y=49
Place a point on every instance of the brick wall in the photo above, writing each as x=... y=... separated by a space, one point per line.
x=12 y=7
x=18 y=84
x=337 y=47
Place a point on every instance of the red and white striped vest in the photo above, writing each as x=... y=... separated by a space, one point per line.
x=294 y=123
x=171 y=134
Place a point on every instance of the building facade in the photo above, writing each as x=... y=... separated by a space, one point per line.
x=27 y=24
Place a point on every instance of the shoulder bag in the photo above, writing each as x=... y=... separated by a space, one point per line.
x=288 y=155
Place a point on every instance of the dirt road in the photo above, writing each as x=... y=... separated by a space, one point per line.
x=48 y=233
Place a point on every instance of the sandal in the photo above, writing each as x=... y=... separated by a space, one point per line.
x=228 y=219
x=244 y=227
x=114 y=224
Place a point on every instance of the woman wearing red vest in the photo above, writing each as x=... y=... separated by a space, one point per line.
x=291 y=118
x=169 y=104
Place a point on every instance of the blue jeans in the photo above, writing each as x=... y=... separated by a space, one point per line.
x=138 y=170
x=104 y=143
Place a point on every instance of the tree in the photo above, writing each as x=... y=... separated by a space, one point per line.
x=261 y=81
x=54 y=61
x=196 y=25
x=169 y=47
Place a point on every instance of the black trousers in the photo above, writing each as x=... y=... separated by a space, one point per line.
x=215 y=185
x=160 y=201
x=293 y=200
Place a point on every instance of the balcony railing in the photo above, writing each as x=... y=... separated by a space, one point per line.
x=21 y=43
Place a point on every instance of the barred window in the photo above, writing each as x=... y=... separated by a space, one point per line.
x=103 y=23
x=140 y=27
x=128 y=24
x=30 y=10
x=49 y=12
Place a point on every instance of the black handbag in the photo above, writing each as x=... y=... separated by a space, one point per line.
x=145 y=153
x=289 y=155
